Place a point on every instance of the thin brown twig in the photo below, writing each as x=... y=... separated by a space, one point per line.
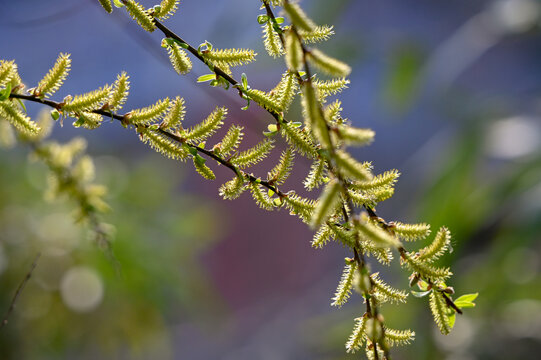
x=19 y=290
x=450 y=303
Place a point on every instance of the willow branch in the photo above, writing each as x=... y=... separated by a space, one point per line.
x=122 y=119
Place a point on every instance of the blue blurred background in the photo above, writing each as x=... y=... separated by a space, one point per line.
x=453 y=91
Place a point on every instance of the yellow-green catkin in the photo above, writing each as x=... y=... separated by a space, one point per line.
x=298 y=17
x=166 y=9
x=107 y=5
x=327 y=203
x=178 y=57
x=55 y=77
x=294 y=53
x=140 y=15
x=327 y=64
x=17 y=118
x=271 y=40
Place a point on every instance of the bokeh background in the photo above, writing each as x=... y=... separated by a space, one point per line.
x=453 y=90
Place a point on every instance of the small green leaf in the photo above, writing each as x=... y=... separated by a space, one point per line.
x=56 y=115
x=296 y=124
x=279 y=20
x=192 y=150
x=466 y=301
x=423 y=285
x=204 y=47
x=199 y=160
x=262 y=19
x=4 y=94
x=22 y=105
x=247 y=104
x=118 y=3
x=420 y=294
x=273 y=129
x=76 y=124
x=463 y=305
x=205 y=78
x=244 y=81
x=167 y=42
x=467 y=297
x=277 y=202
x=170 y=41
x=270 y=193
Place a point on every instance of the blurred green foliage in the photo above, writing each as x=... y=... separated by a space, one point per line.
x=494 y=208
x=402 y=77
x=159 y=235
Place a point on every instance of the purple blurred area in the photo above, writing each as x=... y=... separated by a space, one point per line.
x=469 y=61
